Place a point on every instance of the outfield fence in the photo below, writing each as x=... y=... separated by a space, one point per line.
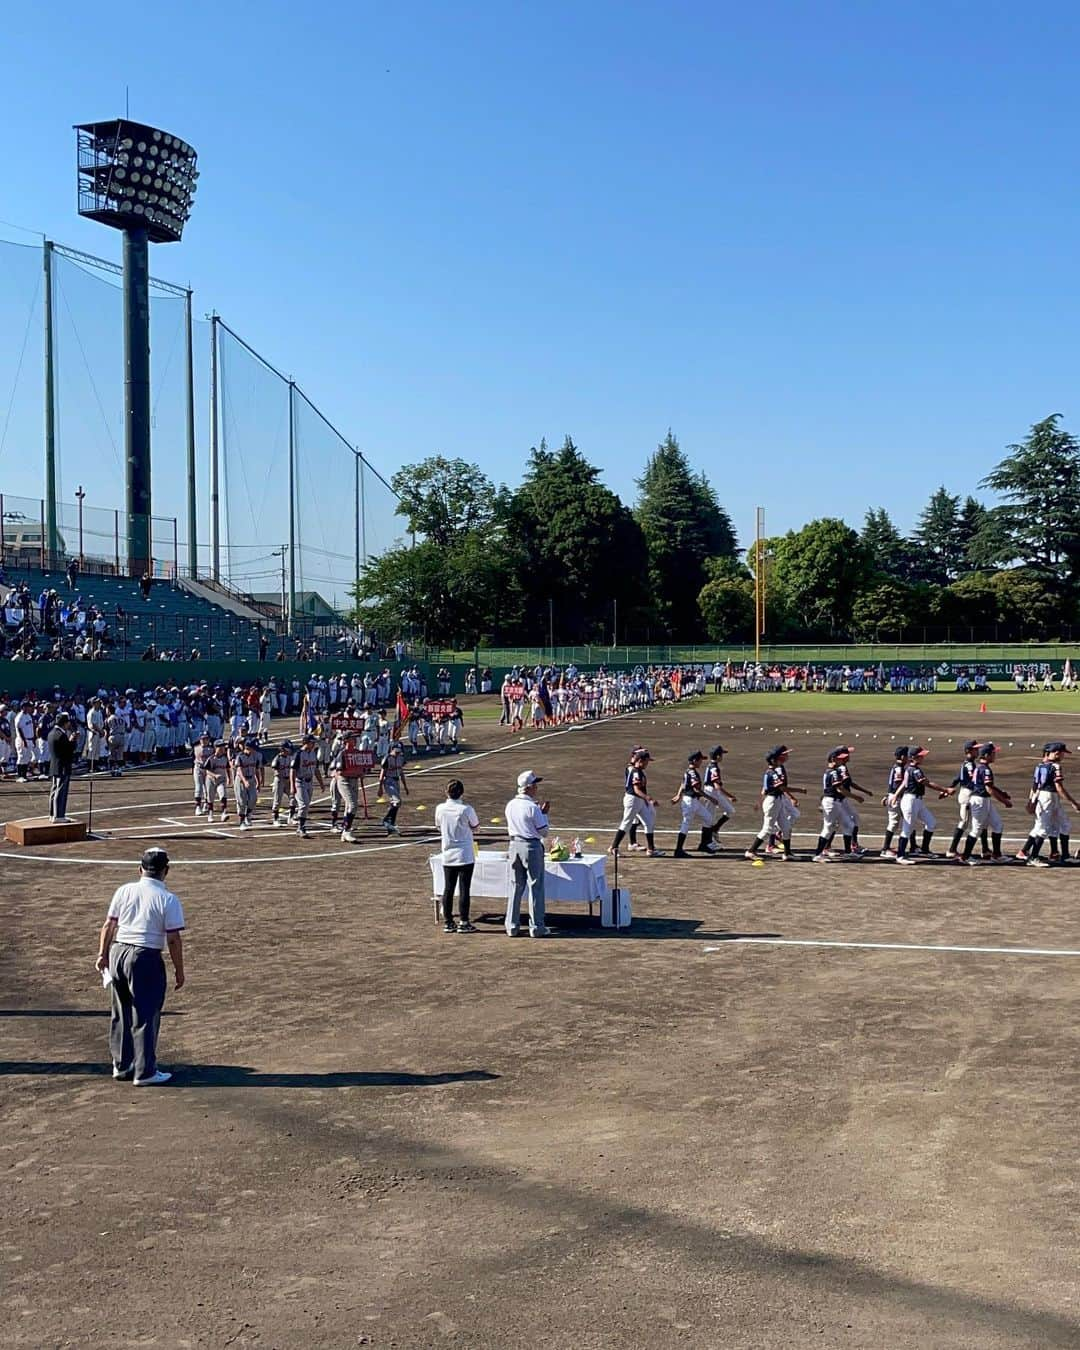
x=887 y=654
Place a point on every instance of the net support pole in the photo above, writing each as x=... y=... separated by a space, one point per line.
x=356 y=526
x=363 y=515
x=189 y=408
x=292 y=506
x=759 y=580
x=52 y=543
x=137 y=398
x=215 y=516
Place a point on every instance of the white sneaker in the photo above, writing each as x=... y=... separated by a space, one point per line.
x=119 y=1073
x=347 y=837
x=246 y=825
x=906 y=861
x=160 y=1077
x=279 y=824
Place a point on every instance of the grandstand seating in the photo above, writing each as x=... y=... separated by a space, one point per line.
x=172 y=618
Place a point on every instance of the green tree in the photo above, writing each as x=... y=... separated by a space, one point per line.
x=1040 y=480
x=818 y=571
x=885 y=611
x=991 y=544
x=887 y=549
x=683 y=524
x=582 y=548
x=939 y=544
x=726 y=605
x=443 y=499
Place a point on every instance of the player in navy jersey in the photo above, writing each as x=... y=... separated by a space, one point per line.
x=892 y=806
x=913 y=809
x=637 y=805
x=779 y=805
x=984 y=814
x=838 y=789
x=716 y=794
x=1047 y=801
x=691 y=798
x=962 y=783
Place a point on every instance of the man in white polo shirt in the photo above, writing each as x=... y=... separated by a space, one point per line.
x=144 y=918
x=526 y=824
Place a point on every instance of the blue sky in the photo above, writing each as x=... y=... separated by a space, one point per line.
x=833 y=245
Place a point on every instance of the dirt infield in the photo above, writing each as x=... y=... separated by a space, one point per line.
x=684 y=1135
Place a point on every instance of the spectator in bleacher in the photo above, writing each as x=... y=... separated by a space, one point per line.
x=264 y=644
x=144 y=585
x=72 y=573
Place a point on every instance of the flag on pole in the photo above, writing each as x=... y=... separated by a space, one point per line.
x=402 y=714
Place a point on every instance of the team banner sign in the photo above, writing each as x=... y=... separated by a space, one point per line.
x=515 y=691
x=440 y=707
x=357 y=763
x=345 y=723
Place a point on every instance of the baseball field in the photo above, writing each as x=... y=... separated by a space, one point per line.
x=792 y=1105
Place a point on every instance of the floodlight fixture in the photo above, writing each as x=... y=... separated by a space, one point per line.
x=115 y=154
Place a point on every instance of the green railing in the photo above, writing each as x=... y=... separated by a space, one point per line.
x=841 y=654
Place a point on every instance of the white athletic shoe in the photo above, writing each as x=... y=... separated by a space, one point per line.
x=158 y=1078
x=906 y=861
x=279 y=824
x=246 y=825
x=347 y=837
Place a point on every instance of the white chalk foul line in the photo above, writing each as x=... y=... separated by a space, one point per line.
x=895 y=947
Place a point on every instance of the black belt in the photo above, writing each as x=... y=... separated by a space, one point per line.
x=526 y=838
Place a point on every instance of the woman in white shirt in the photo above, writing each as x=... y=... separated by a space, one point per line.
x=457 y=822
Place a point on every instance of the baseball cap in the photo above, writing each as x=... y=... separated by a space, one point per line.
x=641 y=753
x=918 y=750
x=1052 y=746
x=694 y=756
x=154 y=860
x=528 y=778
x=841 y=752
x=776 y=751
x=971 y=745
x=717 y=750
x=901 y=752
x=988 y=748
x=286 y=745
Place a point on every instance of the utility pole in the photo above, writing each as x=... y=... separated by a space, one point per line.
x=759 y=581
x=282 y=553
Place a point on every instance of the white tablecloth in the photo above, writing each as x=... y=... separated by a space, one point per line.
x=576 y=881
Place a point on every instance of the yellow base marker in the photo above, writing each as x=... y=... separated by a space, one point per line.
x=758 y=862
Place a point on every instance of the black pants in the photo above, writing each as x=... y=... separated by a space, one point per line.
x=138 y=996
x=460 y=877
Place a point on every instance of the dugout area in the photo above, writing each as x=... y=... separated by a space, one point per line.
x=381 y=1135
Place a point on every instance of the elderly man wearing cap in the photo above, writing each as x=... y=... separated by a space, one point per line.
x=526 y=824
x=638 y=806
x=144 y=918
x=1048 y=793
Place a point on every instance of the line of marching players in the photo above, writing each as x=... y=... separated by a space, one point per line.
x=706 y=805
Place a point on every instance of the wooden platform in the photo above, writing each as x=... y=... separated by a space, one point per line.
x=42 y=830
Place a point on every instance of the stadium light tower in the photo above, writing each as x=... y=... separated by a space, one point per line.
x=142 y=181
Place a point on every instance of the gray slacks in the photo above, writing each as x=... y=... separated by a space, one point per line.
x=138 y=996
x=58 y=796
x=527 y=862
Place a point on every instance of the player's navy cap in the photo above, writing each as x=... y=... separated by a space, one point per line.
x=308 y=736
x=901 y=752
x=917 y=750
x=841 y=752
x=717 y=750
x=971 y=745
x=286 y=745
x=154 y=860
x=220 y=743
x=988 y=748
x=694 y=756
x=776 y=751
x=1052 y=746
x=205 y=736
